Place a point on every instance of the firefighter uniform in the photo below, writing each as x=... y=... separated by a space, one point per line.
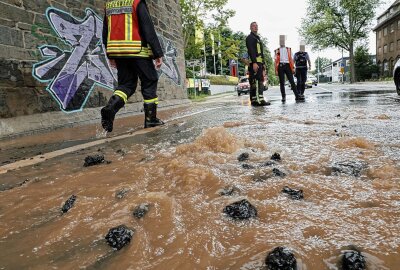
x=130 y=39
x=256 y=79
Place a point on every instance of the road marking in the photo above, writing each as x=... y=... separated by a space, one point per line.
x=41 y=158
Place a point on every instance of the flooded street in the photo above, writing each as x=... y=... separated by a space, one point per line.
x=341 y=147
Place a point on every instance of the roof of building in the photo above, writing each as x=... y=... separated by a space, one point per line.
x=392 y=12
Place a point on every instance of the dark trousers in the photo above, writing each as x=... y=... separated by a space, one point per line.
x=256 y=81
x=130 y=69
x=284 y=69
x=301 y=75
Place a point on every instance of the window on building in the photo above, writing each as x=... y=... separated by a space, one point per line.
x=392 y=28
x=385 y=49
x=385 y=66
x=380 y=51
x=391 y=46
x=385 y=31
x=380 y=33
x=398 y=24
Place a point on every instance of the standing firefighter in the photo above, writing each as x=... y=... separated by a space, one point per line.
x=132 y=44
x=256 y=66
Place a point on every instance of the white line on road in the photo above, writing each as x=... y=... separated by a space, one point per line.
x=41 y=158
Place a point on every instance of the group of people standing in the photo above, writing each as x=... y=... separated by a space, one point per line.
x=285 y=64
x=133 y=47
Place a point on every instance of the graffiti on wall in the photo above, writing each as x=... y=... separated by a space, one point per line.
x=72 y=74
x=169 y=66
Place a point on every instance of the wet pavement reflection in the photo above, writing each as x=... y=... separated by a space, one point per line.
x=340 y=148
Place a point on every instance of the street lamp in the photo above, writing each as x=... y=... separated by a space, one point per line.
x=318 y=68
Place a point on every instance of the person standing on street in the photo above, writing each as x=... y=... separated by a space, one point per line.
x=284 y=65
x=257 y=70
x=300 y=59
x=131 y=44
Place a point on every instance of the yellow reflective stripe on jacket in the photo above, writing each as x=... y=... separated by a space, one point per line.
x=124 y=38
x=121 y=95
x=128 y=26
x=259 y=58
x=154 y=100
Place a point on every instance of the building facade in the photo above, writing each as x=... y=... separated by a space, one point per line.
x=334 y=72
x=388 y=39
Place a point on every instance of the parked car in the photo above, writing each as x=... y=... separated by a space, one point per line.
x=396 y=76
x=309 y=83
x=313 y=79
x=243 y=87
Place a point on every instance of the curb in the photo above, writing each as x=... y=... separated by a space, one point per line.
x=38 y=123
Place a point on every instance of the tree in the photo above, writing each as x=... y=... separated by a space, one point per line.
x=338 y=24
x=194 y=12
x=364 y=67
x=321 y=62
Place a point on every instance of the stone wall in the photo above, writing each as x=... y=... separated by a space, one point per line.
x=50 y=59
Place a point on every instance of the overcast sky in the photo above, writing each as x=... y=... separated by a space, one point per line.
x=283 y=17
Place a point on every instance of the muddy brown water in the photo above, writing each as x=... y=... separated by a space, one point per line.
x=179 y=170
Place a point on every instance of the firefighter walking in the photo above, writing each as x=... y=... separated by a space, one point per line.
x=256 y=66
x=131 y=44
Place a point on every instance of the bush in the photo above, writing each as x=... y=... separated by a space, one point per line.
x=223 y=80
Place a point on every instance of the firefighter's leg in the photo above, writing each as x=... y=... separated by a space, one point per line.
x=260 y=88
x=127 y=82
x=253 y=86
x=149 y=79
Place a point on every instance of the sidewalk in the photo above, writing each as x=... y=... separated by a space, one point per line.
x=38 y=123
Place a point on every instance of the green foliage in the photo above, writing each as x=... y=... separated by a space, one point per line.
x=363 y=64
x=321 y=62
x=194 y=13
x=338 y=24
x=232 y=44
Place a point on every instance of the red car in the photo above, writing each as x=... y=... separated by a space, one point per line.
x=243 y=87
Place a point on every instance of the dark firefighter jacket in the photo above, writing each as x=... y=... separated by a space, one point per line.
x=255 y=48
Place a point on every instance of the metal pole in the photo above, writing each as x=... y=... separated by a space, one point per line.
x=215 y=68
x=205 y=60
x=219 y=50
x=194 y=82
x=318 y=68
x=341 y=65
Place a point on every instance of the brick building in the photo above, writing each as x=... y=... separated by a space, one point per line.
x=388 y=39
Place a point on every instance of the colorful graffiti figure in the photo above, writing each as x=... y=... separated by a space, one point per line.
x=169 y=66
x=73 y=74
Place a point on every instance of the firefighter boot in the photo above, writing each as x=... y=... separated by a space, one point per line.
x=108 y=112
x=150 y=116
